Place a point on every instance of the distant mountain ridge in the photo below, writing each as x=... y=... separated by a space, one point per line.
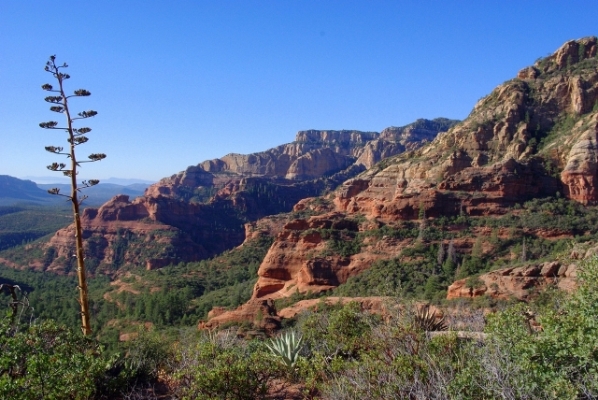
x=102 y=192
x=60 y=179
x=14 y=190
x=291 y=161
x=313 y=155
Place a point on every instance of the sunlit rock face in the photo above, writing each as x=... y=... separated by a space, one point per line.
x=519 y=283
x=533 y=136
x=202 y=211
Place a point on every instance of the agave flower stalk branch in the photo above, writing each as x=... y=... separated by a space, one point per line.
x=74 y=138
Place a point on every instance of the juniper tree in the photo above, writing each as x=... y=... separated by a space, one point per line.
x=76 y=137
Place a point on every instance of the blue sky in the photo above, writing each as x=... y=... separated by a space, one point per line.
x=179 y=82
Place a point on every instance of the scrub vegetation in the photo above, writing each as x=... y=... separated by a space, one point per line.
x=337 y=352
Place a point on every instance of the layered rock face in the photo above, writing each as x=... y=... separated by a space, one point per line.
x=581 y=171
x=303 y=259
x=295 y=262
x=201 y=211
x=519 y=283
x=149 y=231
x=313 y=154
x=511 y=148
x=531 y=137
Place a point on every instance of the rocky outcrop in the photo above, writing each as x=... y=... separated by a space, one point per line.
x=580 y=175
x=259 y=313
x=531 y=137
x=262 y=314
x=519 y=283
x=297 y=261
x=313 y=154
x=202 y=211
x=570 y=53
x=512 y=147
x=149 y=231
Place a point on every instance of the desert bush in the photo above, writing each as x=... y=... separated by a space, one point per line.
x=211 y=368
x=135 y=369
x=400 y=361
x=340 y=332
x=558 y=361
x=48 y=361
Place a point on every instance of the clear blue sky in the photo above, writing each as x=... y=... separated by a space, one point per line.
x=179 y=82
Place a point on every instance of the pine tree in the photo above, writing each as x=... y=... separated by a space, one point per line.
x=76 y=137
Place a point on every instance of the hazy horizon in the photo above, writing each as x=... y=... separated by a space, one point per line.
x=63 y=180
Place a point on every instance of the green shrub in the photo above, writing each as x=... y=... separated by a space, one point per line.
x=339 y=332
x=344 y=243
x=48 y=361
x=216 y=370
x=559 y=361
x=145 y=356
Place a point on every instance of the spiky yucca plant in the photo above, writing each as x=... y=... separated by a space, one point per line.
x=427 y=321
x=287 y=347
